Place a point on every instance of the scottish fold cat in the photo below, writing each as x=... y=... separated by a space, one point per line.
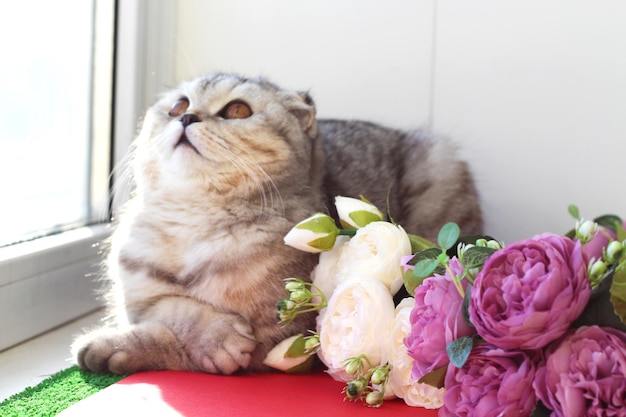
x=223 y=167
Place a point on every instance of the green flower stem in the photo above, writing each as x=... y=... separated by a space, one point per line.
x=320 y=294
x=312 y=307
x=468 y=275
x=347 y=232
x=457 y=282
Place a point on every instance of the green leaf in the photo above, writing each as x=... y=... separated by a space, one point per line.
x=418 y=243
x=411 y=281
x=468 y=240
x=621 y=233
x=325 y=243
x=363 y=217
x=448 y=235
x=430 y=253
x=459 y=350
x=425 y=268
x=303 y=368
x=435 y=378
x=475 y=256
x=297 y=348
x=466 y=303
x=319 y=223
x=573 y=211
x=609 y=221
x=618 y=291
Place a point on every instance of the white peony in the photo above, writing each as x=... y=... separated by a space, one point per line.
x=375 y=250
x=324 y=276
x=355 y=322
x=400 y=380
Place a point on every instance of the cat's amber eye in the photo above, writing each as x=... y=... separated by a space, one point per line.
x=179 y=107
x=236 y=110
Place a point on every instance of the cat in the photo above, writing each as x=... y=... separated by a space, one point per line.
x=223 y=167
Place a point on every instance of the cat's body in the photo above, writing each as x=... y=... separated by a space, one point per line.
x=224 y=167
x=419 y=175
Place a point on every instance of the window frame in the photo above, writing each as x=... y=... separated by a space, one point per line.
x=52 y=280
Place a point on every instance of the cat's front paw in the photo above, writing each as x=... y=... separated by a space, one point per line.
x=226 y=345
x=102 y=351
x=124 y=351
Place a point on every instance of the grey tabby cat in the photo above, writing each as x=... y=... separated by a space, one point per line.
x=224 y=166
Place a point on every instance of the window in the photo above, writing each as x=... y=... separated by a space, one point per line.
x=56 y=82
x=54 y=151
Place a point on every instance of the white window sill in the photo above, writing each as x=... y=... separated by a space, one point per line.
x=48 y=282
x=29 y=363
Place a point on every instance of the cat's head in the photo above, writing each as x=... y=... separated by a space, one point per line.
x=223 y=131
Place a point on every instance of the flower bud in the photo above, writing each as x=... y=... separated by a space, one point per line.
x=293 y=285
x=285 y=315
x=462 y=248
x=379 y=376
x=300 y=296
x=355 y=388
x=285 y=305
x=279 y=357
x=354 y=213
x=495 y=244
x=314 y=234
x=586 y=230
x=374 y=398
x=596 y=270
x=614 y=251
x=312 y=343
x=352 y=367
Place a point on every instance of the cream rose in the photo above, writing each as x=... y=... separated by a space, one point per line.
x=400 y=380
x=375 y=250
x=355 y=322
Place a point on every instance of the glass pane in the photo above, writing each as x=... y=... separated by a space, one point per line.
x=45 y=85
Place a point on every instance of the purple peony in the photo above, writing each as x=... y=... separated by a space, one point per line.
x=436 y=320
x=529 y=293
x=492 y=383
x=585 y=374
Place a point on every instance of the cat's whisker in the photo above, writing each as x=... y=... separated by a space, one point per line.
x=255 y=172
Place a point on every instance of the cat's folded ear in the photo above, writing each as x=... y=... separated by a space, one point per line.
x=303 y=107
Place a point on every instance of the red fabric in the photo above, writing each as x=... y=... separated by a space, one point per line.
x=197 y=394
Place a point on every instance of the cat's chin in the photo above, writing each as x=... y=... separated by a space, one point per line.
x=184 y=142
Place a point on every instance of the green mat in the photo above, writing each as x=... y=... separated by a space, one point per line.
x=56 y=393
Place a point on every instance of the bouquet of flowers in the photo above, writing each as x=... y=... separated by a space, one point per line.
x=476 y=328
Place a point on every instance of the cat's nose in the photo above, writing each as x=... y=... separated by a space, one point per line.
x=189 y=118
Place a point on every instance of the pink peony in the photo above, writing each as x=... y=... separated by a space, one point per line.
x=529 y=293
x=585 y=374
x=436 y=320
x=492 y=383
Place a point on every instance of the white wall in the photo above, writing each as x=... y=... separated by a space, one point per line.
x=359 y=58
x=534 y=91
